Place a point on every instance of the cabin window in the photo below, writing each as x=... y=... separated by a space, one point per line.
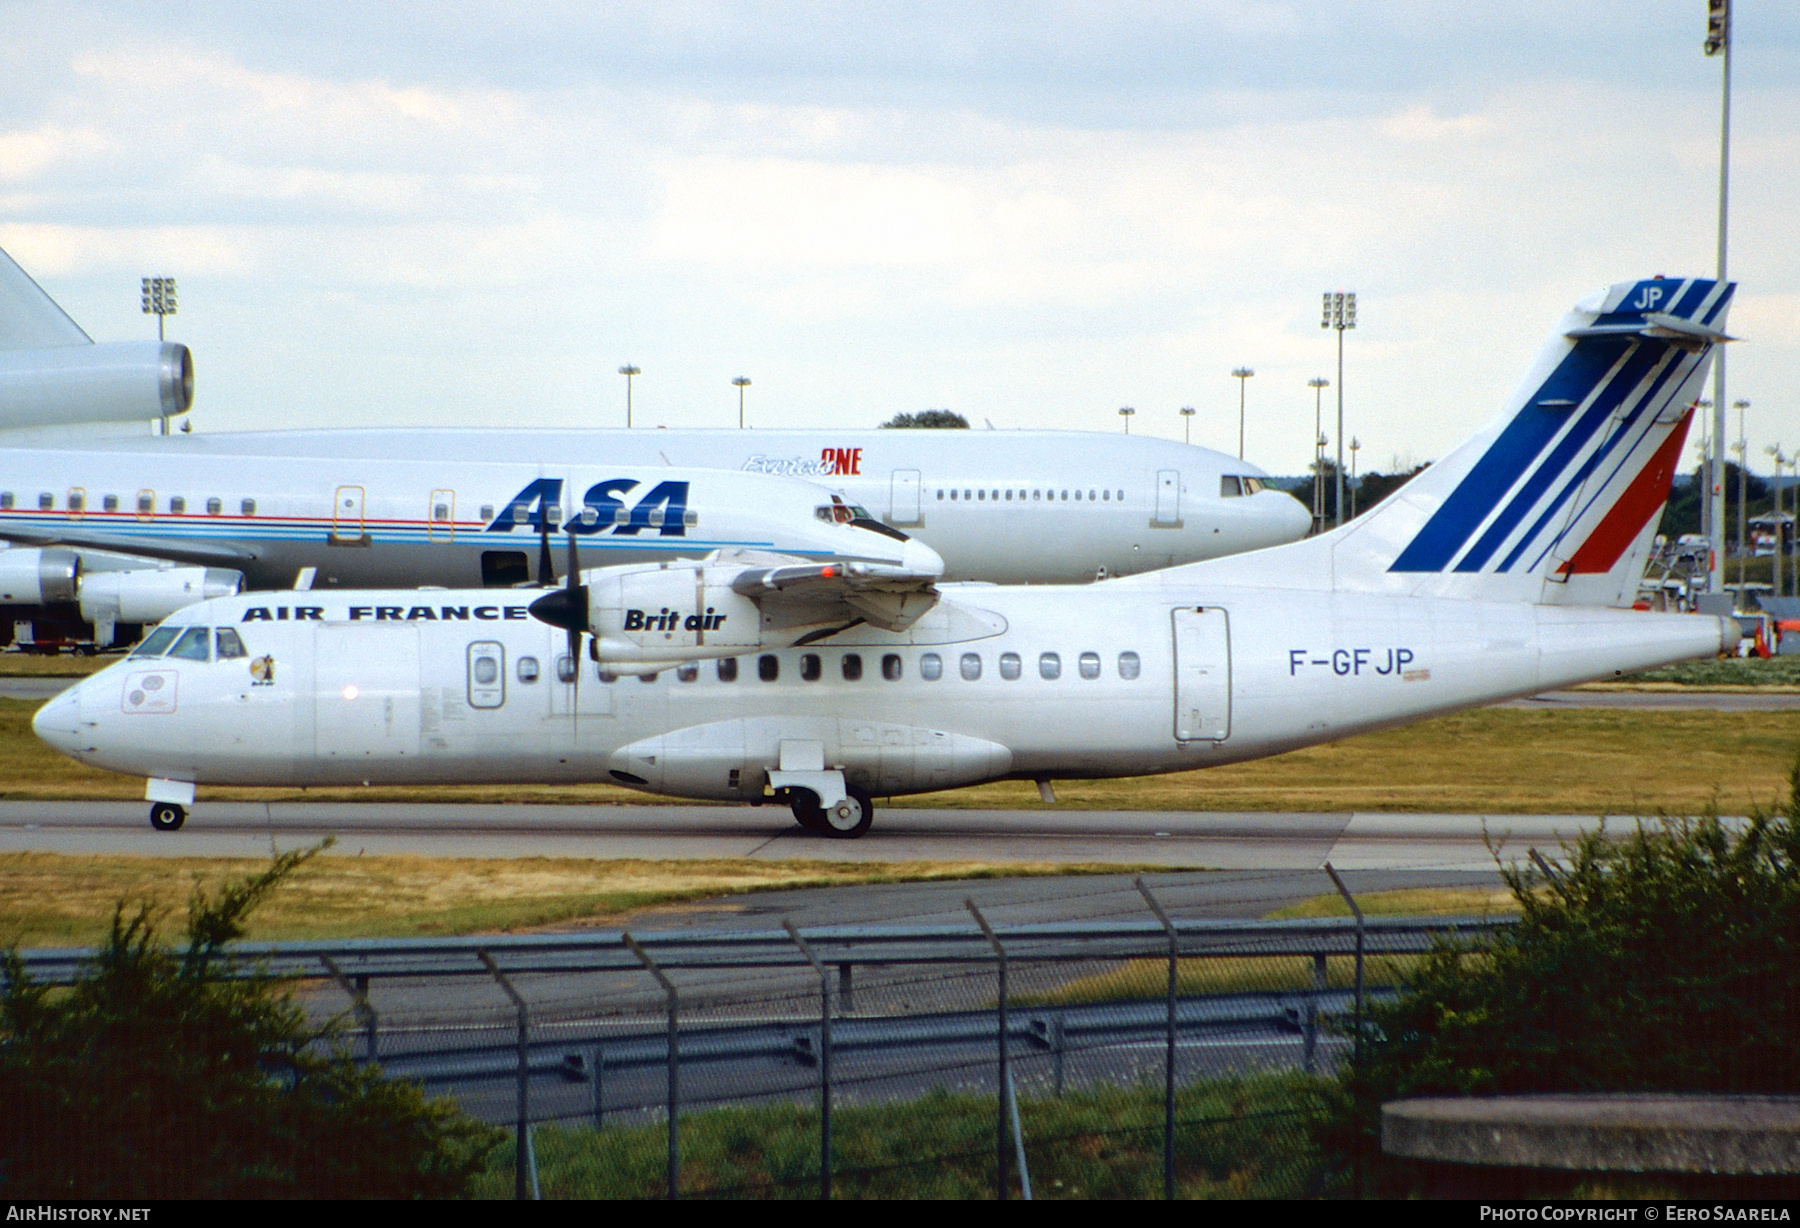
x=177 y=505
x=77 y=500
x=981 y=495
x=810 y=669
x=158 y=640
x=953 y=496
x=248 y=507
x=46 y=501
x=1090 y=496
x=687 y=672
x=1129 y=665
x=440 y=511
x=565 y=668
x=229 y=645
x=527 y=669
x=1049 y=666
x=1065 y=496
x=487 y=511
x=109 y=503
x=852 y=667
x=487 y=670
x=487 y=674
x=1119 y=495
x=768 y=667
x=6 y=500
x=940 y=496
x=192 y=646
x=1090 y=665
x=931 y=667
x=146 y=502
x=970 y=666
x=214 y=507
x=890 y=666
x=1009 y=666
x=727 y=669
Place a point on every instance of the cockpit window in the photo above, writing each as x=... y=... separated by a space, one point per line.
x=1230 y=487
x=229 y=645
x=157 y=642
x=192 y=646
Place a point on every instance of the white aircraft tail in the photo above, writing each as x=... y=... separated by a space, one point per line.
x=1556 y=501
x=29 y=318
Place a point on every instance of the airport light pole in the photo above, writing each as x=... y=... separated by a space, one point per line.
x=1774 y=451
x=1718 y=42
x=1742 y=448
x=1242 y=375
x=1187 y=422
x=1125 y=412
x=628 y=371
x=1355 y=444
x=740 y=383
x=159 y=300
x=1340 y=313
x=1318 y=384
x=1706 y=473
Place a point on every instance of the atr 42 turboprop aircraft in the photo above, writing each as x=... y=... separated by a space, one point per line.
x=118 y=531
x=1504 y=569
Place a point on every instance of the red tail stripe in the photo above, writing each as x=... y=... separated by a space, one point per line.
x=1641 y=500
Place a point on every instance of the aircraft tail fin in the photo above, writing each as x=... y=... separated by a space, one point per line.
x=29 y=318
x=1556 y=501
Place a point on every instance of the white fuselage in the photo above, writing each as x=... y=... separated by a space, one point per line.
x=1159 y=674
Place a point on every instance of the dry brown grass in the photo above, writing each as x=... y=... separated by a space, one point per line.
x=49 y=899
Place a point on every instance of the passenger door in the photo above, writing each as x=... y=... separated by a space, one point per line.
x=1168 y=499
x=905 y=497
x=347 y=515
x=1202 y=675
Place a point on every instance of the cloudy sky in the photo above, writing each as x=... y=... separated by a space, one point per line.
x=1032 y=213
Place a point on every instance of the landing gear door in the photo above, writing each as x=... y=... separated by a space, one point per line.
x=1202 y=675
x=906 y=497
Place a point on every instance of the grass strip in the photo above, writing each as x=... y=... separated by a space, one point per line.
x=1236 y=1138
x=57 y=900
x=1489 y=761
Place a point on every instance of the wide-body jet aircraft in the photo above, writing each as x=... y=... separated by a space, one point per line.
x=1505 y=569
x=138 y=525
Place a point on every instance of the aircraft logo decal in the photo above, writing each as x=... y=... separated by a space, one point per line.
x=262 y=671
x=832 y=463
x=664 y=509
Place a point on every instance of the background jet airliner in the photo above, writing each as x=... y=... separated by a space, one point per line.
x=1502 y=570
x=430 y=505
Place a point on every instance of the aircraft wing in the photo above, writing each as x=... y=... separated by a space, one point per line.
x=187 y=551
x=891 y=596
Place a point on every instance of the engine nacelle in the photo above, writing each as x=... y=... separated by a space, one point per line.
x=119 y=381
x=149 y=595
x=648 y=617
x=33 y=576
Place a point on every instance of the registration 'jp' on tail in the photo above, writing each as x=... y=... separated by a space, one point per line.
x=1557 y=500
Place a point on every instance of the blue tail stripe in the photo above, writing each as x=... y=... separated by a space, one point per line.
x=1730 y=289
x=1520 y=443
x=1690 y=302
x=1587 y=468
x=1629 y=375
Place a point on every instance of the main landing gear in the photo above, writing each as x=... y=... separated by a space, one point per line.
x=847 y=820
x=167 y=816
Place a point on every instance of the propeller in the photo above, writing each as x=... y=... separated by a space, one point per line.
x=566 y=607
x=546 y=573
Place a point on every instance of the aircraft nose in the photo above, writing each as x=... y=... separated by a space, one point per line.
x=1296 y=519
x=59 y=721
x=917 y=557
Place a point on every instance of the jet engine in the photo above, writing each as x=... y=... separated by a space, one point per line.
x=119 y=381
x=33 y=576
x=646 y=617
x=147 y=595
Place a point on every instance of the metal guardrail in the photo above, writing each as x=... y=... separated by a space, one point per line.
x=691 y=950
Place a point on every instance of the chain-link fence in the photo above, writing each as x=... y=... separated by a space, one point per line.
x=1174 y=1057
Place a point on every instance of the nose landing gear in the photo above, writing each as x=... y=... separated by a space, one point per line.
x=167 y=816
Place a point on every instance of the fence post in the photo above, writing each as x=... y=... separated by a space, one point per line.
x=824 y=1057
x=1004 y=1082
x=1311 y=1043
x=1169 y=1057
x=523 y=1158
x=359 y=1001
x=1057 y=1043
x=1356 y=1052
x=846 y=989
x=674 y=1062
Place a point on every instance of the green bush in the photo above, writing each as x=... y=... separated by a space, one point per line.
x=1663 y=962
x=153 y=1078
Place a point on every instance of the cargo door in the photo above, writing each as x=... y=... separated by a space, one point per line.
x=906 y=497
x=1168 y=499
x=347 y=514
x=1202 y=675
x=366 y=683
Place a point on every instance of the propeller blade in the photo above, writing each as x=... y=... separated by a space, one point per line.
x=546 y=572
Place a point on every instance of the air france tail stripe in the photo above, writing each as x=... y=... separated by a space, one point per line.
x=1641 y=500
x=1713 y=313
x=1519 y=444
x=1624 y=381
x=1586 y=469
x=1690 y=302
